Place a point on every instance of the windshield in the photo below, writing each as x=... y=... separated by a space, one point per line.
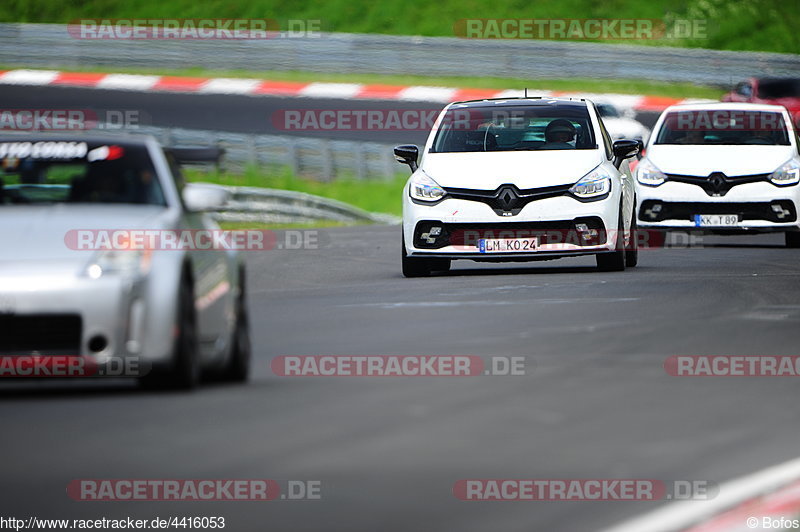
x=728 y=127
x=77 y=172
x=510 y=128
x=779 y=88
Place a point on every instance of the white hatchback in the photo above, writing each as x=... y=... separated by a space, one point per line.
x=721 y=168
x=518 y=180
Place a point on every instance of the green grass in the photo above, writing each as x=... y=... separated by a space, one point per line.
x=761 y=25
x=621 y=86
x=370 y=195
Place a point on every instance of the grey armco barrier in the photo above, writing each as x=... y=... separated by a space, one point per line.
x=50 y=45
x=265 y=205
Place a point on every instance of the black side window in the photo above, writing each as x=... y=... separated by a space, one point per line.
x=177 y=175
x=606 y=138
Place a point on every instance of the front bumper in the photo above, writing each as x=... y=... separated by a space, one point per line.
x=760 y=207
x=454 y=227
x=68 y=315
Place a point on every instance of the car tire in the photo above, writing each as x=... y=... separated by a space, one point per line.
x=632 y=250
x=238 y=367
x=614 y=261
x=185 y=371
x=416 y=267
x=792 y=239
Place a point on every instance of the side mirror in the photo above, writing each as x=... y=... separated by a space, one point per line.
x=200 y=197
x=624 y=149
x=407 y=154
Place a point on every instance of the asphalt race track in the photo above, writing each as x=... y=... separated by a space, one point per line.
x=225 y=112
x=595 y=401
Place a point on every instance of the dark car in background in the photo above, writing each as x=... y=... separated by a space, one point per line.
x=773 y=91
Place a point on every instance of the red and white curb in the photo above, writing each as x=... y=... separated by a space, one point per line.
x=741 y=505
x=339 y=91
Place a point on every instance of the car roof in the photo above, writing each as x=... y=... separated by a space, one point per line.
x=723 y=106
x=74 y=136
x=531 y=101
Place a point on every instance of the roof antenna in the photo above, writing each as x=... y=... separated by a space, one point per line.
x=526 y=92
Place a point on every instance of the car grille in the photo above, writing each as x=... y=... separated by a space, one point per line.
x=47 y=334
x=507 y=200
x=433 y=234
x=717 y=183
x=779 y=211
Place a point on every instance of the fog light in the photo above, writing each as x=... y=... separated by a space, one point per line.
x=430 y=236
x=97 y=343
x=585 y=232
x=652 y=211
x=779 y=211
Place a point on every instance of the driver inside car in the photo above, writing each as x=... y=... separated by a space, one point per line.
x=559 y=135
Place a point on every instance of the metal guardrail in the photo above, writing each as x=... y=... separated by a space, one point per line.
x=315 y=158
x=43 y=45
x=265 y=205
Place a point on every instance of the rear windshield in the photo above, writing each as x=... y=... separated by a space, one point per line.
x=512 y=128
x=707 y=127
x=77 y=172
x=779 y=88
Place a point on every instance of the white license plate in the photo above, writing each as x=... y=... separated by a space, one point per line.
x=507 y=245
x=716 y=220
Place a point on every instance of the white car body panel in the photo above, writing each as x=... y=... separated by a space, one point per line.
x=487 y=171
x=731 y=160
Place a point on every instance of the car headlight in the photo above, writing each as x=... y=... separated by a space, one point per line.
x=648 y=174
x=119 y=262
x=423 y=188
x=788 y=174
x=594 y=185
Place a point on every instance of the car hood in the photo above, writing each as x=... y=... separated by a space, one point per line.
x=33 y=237
x=525 y=169
x=730 y=160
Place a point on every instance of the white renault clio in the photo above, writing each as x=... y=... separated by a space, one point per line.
x=518 y=180
x=721 y=168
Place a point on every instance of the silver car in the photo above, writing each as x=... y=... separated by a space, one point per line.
x=181 y=312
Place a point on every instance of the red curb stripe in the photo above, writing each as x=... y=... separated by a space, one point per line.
x=474 y=94
x=78 y=79
x=380 y=92
x=179 y=84
x=656 y=103
x=279 y=87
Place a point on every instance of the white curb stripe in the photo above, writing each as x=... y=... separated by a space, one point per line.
x=128 y=81
x=230 y=86
x=331 y=90
x=427 y=94
x=679 y=515
x=29 y=77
